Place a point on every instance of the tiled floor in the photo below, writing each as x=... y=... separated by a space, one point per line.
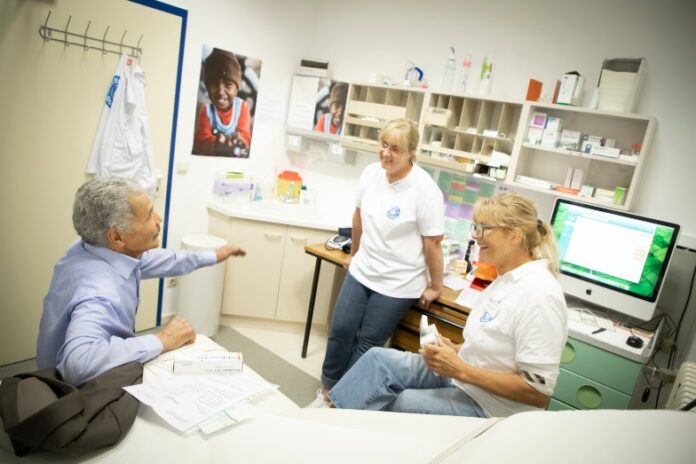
x=285 y=340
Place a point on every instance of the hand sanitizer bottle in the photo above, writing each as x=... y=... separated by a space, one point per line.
x=450 y=70
x=486 y=77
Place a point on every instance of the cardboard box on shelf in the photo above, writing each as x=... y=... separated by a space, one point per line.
x=570 y=91
x=570 y=139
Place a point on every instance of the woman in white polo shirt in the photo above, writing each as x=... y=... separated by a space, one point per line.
x=514 y=334
x=398 y=224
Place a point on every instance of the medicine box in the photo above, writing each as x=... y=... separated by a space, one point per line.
x=606 y=151
x=554 y=123
x=538 y=120
x=211 y=363
x=534 y=135
x=570 y=90
x=570 y=139
x=589 y=141
x=438 y=117
x=550 y=138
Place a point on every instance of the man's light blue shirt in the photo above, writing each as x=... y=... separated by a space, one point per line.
x=88 y=321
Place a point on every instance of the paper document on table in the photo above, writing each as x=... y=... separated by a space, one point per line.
x=468 y=297
x=455 y=282
x=185 y=401
x=231 y=416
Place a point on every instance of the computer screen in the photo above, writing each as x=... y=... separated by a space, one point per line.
x=614 y=259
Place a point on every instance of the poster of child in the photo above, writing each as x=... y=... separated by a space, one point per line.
x=227 y=95
x=331 y=105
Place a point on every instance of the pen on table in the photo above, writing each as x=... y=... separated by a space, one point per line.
x=600 y=330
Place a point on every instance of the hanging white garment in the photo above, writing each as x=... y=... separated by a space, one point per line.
x=122 y=146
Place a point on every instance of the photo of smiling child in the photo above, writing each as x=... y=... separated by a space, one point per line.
x=331 y=103
x=226 y=101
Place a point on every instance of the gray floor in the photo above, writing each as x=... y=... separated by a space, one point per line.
x=294 y=383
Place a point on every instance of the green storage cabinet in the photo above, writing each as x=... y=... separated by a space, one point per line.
x=555 y=405
x=592 y=378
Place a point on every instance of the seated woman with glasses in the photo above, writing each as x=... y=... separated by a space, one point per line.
x=514 y=334
x=398 y=224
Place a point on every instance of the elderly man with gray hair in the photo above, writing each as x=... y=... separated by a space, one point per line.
x=88 y=320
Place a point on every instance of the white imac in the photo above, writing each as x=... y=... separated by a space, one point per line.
x=612 y=259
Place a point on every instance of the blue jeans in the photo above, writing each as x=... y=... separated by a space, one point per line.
x=391 y=380
x=362 y=318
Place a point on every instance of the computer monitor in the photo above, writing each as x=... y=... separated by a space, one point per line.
x=610 y=258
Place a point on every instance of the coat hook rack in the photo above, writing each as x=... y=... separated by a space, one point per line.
x=87 y=42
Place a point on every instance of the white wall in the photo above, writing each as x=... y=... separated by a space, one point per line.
x=538 y=39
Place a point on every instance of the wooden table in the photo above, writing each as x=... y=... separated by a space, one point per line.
x=449 y=317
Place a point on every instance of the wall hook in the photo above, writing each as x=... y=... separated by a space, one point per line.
x=67 y=43
x=104 y=40
x=120 y=45
x=85 y=37
x=47 y=32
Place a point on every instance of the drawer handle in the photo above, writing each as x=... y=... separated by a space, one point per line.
x=298 y=239
x=568 y=354
x=273 y=236
x=589 y=397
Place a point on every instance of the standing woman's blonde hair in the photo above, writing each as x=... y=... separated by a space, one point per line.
x=512 y=211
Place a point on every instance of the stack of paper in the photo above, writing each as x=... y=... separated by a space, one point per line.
x=614 y=89
x=188 y=401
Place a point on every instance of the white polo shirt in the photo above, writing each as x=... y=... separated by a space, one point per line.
x=394 y=219
x=518 y=325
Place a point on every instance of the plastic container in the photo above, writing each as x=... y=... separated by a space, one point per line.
x=450 y=70
x=200 y=292
x=486 y=77
x=288 y=185
x=464 y=74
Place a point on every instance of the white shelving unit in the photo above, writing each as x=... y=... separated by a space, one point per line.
x=551 y=164
x=461 y=132
x=371 y=106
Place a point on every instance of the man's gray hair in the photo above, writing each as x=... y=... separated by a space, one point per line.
x=102 y=203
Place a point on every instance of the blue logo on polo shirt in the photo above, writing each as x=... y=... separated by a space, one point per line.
x=486 y=317
x=393 y=212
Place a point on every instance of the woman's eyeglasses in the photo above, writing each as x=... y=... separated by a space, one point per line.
x=477 y=230
x=392 y=148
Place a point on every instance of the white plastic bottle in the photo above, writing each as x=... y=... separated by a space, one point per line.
x=449 y=71
x=464 y=76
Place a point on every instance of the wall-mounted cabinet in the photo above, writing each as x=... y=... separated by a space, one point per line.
x=371 y=106
x=468 y=134
x=546 y=166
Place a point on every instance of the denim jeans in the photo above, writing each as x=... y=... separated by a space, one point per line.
x=362 y=318
x=391 y=380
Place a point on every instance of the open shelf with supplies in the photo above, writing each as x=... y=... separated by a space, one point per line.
x=371 y=106
x=581 y=168
x=469 y=134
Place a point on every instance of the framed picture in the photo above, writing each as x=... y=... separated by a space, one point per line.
x=227 y=95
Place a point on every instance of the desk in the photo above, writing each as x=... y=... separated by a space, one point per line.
x=287 y=434
x=448 y=315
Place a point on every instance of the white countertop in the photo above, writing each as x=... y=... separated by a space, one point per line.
x=281 y=213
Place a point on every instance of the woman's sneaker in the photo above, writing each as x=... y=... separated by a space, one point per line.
x=319 y=401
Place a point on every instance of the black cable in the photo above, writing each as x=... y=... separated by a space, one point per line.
x=689 y=406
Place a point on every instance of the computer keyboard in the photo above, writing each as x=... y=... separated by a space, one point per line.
x=587 y=317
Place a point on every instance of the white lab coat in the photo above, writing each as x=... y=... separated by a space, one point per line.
x=122 y=146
